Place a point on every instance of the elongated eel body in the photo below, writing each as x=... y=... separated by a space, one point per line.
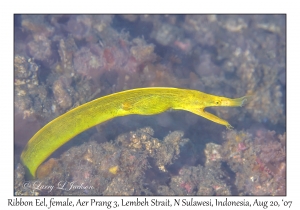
x=141 y=101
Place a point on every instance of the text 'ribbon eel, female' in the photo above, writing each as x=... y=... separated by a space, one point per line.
x=141 y=101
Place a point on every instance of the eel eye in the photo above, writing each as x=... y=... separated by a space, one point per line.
x=217 y=102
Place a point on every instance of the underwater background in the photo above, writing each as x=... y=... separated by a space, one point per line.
x=62 y=61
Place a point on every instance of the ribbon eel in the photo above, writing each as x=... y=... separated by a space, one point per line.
x=141 y=101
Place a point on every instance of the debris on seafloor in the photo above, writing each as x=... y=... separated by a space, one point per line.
x=258 y=161
x=109 y=168
x=139 y=164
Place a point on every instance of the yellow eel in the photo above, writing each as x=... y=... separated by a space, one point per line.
x=142 y=101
